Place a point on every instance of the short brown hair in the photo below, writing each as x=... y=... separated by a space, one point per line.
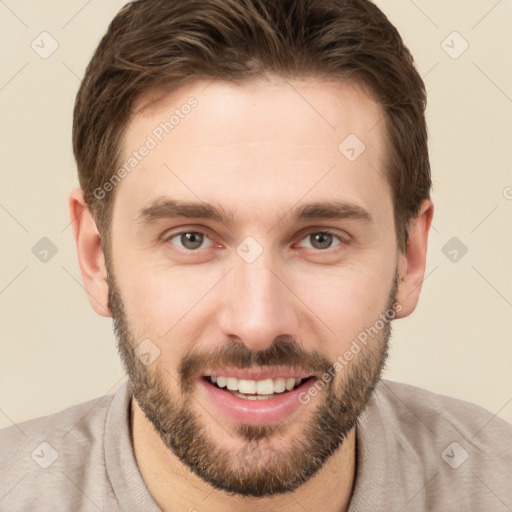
x=151 y=43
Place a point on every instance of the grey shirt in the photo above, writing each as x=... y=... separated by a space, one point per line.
x=416 y=451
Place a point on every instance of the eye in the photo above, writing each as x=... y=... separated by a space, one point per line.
x=321 y=240
x=188 y=240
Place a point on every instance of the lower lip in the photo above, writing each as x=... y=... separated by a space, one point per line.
x=255 y=412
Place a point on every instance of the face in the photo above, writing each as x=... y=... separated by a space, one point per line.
x=256 y=262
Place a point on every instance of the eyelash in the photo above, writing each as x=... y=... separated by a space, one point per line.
x=342 y=241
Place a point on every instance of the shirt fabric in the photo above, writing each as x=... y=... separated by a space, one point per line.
x=416 y=451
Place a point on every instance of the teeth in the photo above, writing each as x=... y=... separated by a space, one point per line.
x=262 y=389
x=265 y=387
x=232 y=383
x=246 y=386
x=247 y=397
x=279 y=385
x=290 y=383
x=253 y=397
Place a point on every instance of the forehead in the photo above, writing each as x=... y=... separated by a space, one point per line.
x=265 y=107
x=259 y=145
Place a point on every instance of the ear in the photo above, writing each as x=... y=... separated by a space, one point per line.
x=90 y=253
x=411 y=266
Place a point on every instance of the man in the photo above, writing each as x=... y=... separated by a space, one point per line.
x=253 y=214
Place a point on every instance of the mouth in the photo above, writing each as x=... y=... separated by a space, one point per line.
x=251 y=389
x=255 y=397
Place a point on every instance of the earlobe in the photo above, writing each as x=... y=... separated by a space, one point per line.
x=411 y=266
x=90 y=252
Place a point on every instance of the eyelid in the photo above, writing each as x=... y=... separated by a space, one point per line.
x=171 y=234
x=167 y=235
x=310 y=231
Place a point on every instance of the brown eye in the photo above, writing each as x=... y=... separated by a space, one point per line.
x=189 y=240
x=321 y=240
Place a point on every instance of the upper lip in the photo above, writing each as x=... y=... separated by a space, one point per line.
x=258 y=373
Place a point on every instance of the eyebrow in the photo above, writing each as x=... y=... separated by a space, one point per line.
x=330 y=210
x=166 y=208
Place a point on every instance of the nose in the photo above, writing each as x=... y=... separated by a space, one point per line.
x=257 y=306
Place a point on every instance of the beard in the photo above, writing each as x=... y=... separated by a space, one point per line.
x=261 y=467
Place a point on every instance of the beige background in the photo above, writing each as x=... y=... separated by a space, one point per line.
x=55 y=351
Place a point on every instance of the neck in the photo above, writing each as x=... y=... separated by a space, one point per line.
x=174 y=487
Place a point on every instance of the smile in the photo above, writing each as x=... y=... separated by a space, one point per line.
x=256 y=389
x=254 y=397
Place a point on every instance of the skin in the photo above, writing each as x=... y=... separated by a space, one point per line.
x=258 y=149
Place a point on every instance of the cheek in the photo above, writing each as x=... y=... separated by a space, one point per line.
x=164 y=301
x=345 y=302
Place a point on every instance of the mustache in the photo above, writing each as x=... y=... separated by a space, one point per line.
x=284 y=351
